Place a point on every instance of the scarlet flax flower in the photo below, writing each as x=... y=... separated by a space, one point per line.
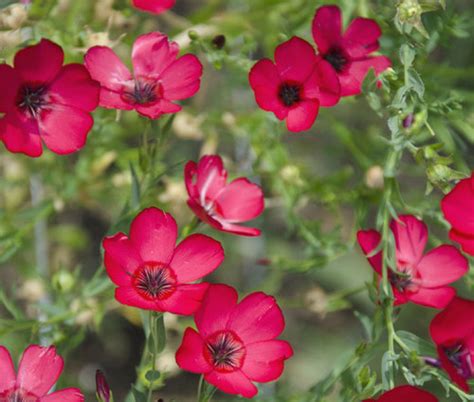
x=218 y=203
x=151 y=272
x=405 y=393
x=452 y=330
x=296 y=85
x=348 y=53
x=45 y=101
x=39 y=369
x=418 y=278
x=159 y=76
x=235 y=342
x=153 y=6
x=458 y=210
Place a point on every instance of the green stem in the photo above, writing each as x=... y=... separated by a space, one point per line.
x=205 y=391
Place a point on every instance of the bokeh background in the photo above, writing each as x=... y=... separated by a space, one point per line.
x=321 y=186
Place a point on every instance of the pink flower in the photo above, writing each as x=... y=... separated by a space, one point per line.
x=458 y=209
x=151 y=272
x=418 y=278
x=348 y=53
x=153 y=6
x=235 y=343
x=45 y=101
x=295 y=85
x=452 y=330
x=159 y=76
x=219 y=204
x=39 y=369
x=405 y=393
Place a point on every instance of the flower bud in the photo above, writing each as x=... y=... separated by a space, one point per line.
x=103 y=390
x=374 y=177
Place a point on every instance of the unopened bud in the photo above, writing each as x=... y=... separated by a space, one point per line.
x=103 y=390
x=374 y=177
x=408 y=121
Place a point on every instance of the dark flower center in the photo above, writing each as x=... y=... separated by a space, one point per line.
x=460 y=358
x=337 y=58
x=32 y=98
x=18 y=395
x=143 y=92
x=154 y=281
x=289 y=94
x=400 y=280
x=225 y=351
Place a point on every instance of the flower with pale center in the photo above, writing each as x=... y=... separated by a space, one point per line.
x=38 y=371
x=151 y=272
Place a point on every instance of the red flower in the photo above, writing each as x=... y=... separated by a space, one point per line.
x=219 y=204
x=38 y=371
x=153 y=6
x=295 y=85
x=418 y=278
x=349 y=53
x=159 y=76
x=151 y=272
x=44 y=100
x=458 y=209
x=235 y=343
x=405 y=393
x=453 y=332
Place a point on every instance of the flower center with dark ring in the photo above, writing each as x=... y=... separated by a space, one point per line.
x=225 y=351
x=289 y=94
x=154 y=281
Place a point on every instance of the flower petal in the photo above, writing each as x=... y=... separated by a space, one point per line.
x=154 y=233
x=264 y=361
x=39 y=63
x=458 y=207
x=466 y=242
x=65 y=395
x=323 y=84
x=436 y=298
x=406 y=393
x=441 y=266
x=7 y=370
x=157 y=109
x=411 y=236
x=128 y=296
x=295 y=60
x=9 y=86
x=152 y=53
x=452 y=371
x=351 y=80
x=327 y=27
x=39 y=369
x=189 y=355
x=121 y=258
x=240 y=201
x=64 y=129
x=361 y=37
x=20 y=135
x=182 y=79
x=456 y=322
x=210 y=178
x=234 y=383
x=257 y=318
x=302 y=117
x=265 y=82
x=369 y=240
x=215 y=310
x=106 y=67
x=154 y=6
x=236 y=229
x=195 y=257
x=185 y=300
x=75 y=87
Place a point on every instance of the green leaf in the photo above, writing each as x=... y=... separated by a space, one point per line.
x=407 y=55
x=139 y=395
x=419 y=345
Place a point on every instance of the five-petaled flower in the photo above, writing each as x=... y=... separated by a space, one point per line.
x=38 y=370
x=153 y=6
x=296 y=85
x=458 y=209
x=421 y=279
x=235 y=343
x=158 y=79
x=452 y=330
x=348 y=53
x=219 y=204
x=151 y=272
x=405 y=393
x=45 y=101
